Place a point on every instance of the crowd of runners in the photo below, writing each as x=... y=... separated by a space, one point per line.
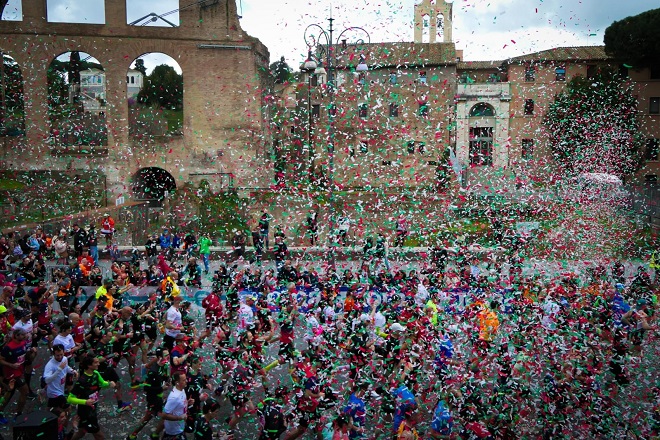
x=456 y=346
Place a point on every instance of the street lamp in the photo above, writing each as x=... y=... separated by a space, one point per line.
x=313 y=34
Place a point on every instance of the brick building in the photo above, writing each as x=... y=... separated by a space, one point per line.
x=397 y=116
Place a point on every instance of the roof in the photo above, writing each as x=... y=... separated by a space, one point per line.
x=383 y=55
x=577 y=53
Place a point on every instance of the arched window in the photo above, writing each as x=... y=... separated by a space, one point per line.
x=155 y=96
x=426 y=28
x=76 y=101
x=12 y=106
x=440 y=26
x=482 y=109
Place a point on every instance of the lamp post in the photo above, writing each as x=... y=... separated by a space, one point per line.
x=313 y=34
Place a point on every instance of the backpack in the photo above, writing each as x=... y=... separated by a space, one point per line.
x=272 y=418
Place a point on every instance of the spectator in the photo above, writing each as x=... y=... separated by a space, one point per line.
x=79 y=239
x=205 y=250
x=107 y=228
x=264 y=223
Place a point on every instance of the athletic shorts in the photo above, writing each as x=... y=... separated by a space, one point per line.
x=287 y=352
x=58 y=402
x=154 y=403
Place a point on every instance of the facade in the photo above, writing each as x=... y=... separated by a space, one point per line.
x=134 y=82
x=92 y=91
x=395 y=120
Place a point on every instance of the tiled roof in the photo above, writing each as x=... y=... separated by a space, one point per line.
x=563 y=54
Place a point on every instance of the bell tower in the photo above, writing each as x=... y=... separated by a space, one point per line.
x=433 y=21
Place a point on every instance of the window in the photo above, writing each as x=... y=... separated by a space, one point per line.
x=560 y=73
x=422 y=77
x=316 y=110
x=364 y=146
x=655 y=72
x=652 y=149
x=423 y=109
x=421 y=147
x=592 y=70
x=87 y=12
x=394 y=110
x=529 y=107
x=651 y=178
x=530 y=74
x=654 y=105
x=314 y=80
x=393 y=78
x=363 y=110
x=481 y=146
x=527 y=150
x=293 y=130
x=411 y=147
x=13 y=11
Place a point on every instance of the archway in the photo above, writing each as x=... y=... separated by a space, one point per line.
x=482 y=123
x=77 y=101
x=12 y=105
x=154 y=89
x=152 y=183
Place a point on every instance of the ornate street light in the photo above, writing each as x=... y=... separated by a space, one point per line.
x=313 y=35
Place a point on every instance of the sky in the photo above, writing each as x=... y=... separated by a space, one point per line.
x=483 y=29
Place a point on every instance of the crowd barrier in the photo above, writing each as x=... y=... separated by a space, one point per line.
x=456 y=300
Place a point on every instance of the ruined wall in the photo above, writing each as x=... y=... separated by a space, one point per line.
x=224 y=73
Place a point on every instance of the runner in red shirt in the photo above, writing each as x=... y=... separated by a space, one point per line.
x=12 y=359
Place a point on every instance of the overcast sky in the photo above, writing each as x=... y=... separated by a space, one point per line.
x=483 y=29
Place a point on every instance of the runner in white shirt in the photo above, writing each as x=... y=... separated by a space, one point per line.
x=65 y=339
x=245 y=314
x=55 y=374
x=173 y=323
x=25 y=323
x=176 y=408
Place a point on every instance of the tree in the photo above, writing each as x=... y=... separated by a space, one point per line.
x=163 y=87
x=593 y=126
x=140 y=67
x=280 y=71
x=635 y=40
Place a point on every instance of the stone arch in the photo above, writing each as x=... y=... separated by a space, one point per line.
x=12 y=100
x=157 y=112
x=481 y=138
x=152 y=183
x=482 y=109
x=77 y=100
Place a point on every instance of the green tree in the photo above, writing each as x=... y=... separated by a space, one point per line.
x=635 y=40
x=140 y=67
x=12 y=113
x=280 y=71
x=593 y=126
x=163 y=87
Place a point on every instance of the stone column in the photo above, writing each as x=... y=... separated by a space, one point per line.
x=35 y=98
